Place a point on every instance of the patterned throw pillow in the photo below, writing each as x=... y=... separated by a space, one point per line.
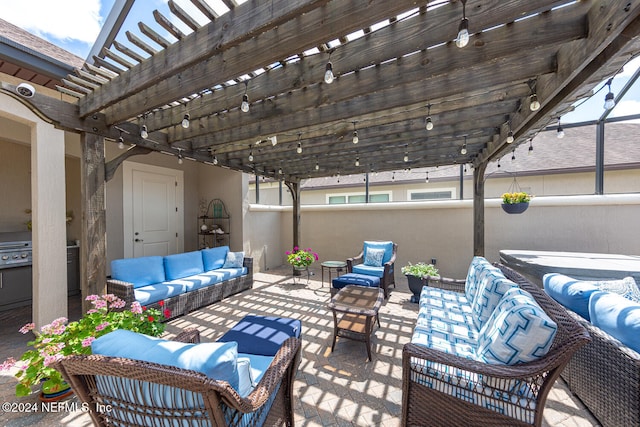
x=626 y=287
x=518 y=331
x=234 y=260
x=373 y=257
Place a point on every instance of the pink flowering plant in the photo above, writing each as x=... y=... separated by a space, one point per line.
x=61 y=338
x=301 y=258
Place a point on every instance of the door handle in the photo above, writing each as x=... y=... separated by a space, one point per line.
x=138 y=240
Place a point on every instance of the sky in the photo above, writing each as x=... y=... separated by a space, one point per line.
x=74 y=25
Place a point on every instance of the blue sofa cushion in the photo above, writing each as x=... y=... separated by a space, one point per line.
x=476 y=269
x=387 y=246
x=492 y=287
x=572 y=293
x=159 y=291
x=617 y=316
x=518 y=331
x=370 y=281
x=214 y=258
x=191 y=283
x=215 y=360
x=141 y=271
x=262 y=335
x=182 y=265
x=368 y=270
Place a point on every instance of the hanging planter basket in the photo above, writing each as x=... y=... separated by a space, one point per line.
x=515 y=208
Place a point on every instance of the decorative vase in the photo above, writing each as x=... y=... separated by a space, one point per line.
x=415 y=286
x=515 y=208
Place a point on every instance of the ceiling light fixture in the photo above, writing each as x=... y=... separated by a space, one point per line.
x=560 y=131
x=463 y=29
x=244 y=106
x=463 y=150
x=609 y=101
x=428 y=121
x=185 y=121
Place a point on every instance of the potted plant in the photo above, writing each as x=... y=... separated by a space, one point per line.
x=515 y=203
x=416 y=274
x=61 y=338
x=301 y=259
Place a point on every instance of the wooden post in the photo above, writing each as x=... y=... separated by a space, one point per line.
x=478 y=209
x=93 y=248
x=294 y=187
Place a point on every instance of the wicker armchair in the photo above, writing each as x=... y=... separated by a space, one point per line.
x=387 y=279
x=195 y=399
x=519 y=391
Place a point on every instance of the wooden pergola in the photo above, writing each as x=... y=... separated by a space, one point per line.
x=396 y=64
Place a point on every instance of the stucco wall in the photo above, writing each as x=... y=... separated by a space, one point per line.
x=444 y=230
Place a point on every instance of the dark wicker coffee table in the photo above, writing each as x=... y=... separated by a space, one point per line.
x=355 y=310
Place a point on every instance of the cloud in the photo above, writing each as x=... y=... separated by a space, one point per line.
x=627 y=107
x=61 y=19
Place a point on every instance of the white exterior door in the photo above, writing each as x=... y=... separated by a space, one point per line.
x=153 y=218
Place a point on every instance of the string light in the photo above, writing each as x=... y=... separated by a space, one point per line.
x=317 y=165
x=510 y=134
x=144 y=133
x=534 y=104
x=426 y=178
x=609 y=101
x=530 y=146
x=463 y=150
x=463 y=29
x=180 y=161
x=244 y=106
x=513 y=154
x=560 y=131
x=251 y=155
x=185 y=121
x=328 y=72
x=355 y=138
x=428 y=121
x=299 y=148
x=121 y=141
x=357 y=162
x=406 y=155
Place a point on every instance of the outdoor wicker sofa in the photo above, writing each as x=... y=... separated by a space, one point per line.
x=182 y=282
x=440 y=388
x=127 y=392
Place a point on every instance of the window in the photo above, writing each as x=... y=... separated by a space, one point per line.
x=374 y=197
x=441 y=194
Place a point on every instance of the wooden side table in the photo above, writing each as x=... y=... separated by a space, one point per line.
x=337 y=265
x=355 y=311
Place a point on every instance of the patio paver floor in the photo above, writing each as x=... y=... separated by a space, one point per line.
x=331 y=389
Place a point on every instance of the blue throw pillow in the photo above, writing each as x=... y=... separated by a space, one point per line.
x=234 y=260
x=572 y=293
x=373 y=257
x=215 y=360
x=617 y=316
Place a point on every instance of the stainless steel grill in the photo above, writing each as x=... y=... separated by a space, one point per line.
x=15 y=249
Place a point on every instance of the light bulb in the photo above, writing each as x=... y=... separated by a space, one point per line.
x=357 y=163
x=406 y=157
x=144 y=134
x=121 y=143
x=534 y=104
x=299 y=148
x=328 y=74
x=426 y=179
x=530 y=149
x=355 y=137
x=463 y=150
x=317 y=166
x=180 y=161
x=280 y=171
x=185 y=121
x=251 y=156
x=463 y=33
x=510 y=137
x=245 y=103
x=609 y=102
x=560 y=132
x=215 y=160
x=429 y=124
